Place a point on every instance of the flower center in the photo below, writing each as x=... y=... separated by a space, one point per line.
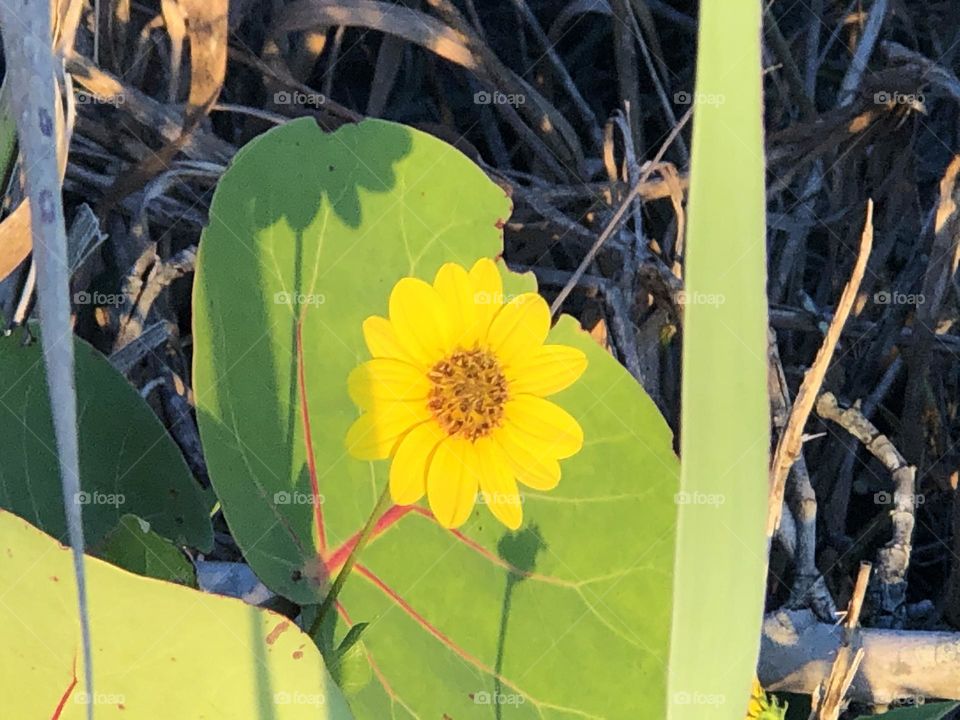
x=468 y=394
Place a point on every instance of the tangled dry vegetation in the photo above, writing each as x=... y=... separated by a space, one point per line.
x=580 y=109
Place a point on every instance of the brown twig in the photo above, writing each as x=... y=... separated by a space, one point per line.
x=788 y=447
x=809 y=588
x=618 y=216
x=889 y=591
x=829 y=698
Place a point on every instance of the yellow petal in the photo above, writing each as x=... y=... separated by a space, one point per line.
x=520 y=328
x=374 y=435
x=548 y=370
x=408 y=471
x=536 y=471
x=453 y=285
x=388 y=379
x=382 y=340
x=420 y=320
x=497 y=484
x=542 y=426
x=487 y=292
x=452 y=481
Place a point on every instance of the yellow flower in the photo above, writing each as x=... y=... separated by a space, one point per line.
x=762 y=707
x=454 y=395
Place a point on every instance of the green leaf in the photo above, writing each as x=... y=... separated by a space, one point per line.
x=458 y=621
x=347 y=661
x=725 y=436
x=316 y=226
x=128 y=462
x=134 y=546
x=162 y=650
x=351 y=668
x=8 y=134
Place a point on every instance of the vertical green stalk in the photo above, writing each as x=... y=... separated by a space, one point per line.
x=32 y=72
x=721 y=559
x=325 y=607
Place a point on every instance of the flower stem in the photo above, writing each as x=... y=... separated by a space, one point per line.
x=351 y=560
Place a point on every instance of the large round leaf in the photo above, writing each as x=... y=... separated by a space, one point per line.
x=308 y=234
x=159 y=650
x=128 y=462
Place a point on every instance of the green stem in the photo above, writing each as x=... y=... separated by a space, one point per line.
x=344 y=573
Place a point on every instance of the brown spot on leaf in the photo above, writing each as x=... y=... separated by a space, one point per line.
x=276 y=632
x=55 y=578
x=297 y=654
x=315 y=572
